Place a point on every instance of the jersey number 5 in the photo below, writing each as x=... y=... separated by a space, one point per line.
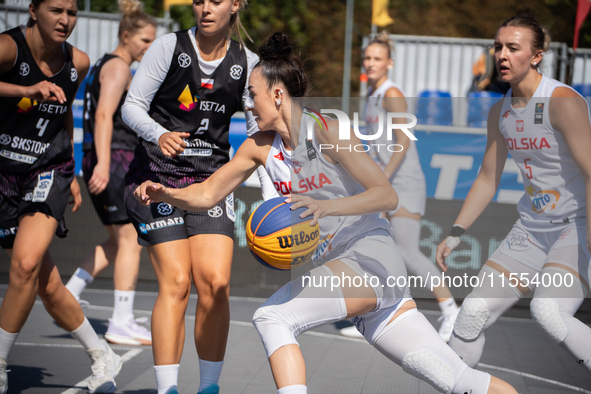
x=42 y=125
x=528 y=168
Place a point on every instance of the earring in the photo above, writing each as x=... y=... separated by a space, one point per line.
x=535 y=63
x=278 y=101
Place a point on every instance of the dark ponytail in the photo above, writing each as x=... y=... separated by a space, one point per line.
x=278 y=64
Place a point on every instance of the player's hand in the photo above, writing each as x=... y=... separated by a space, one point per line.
x=99 y=179
x=172 y=143
x=45 y=91
x=444 y=249
x=315 y=207
x=149 y=192
x=75 y=193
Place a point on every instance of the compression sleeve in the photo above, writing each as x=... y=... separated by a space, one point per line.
x=146 y=82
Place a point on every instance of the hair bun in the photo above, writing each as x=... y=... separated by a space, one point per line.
x=277 y=47
x=130 y=6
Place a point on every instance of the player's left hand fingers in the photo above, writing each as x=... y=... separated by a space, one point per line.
x=300 y=201
x=317 y=215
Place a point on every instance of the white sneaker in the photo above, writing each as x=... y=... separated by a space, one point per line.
x=351 y=332
x=129 y=333
x=447 y=320
x=105 y=366
x=3 y=377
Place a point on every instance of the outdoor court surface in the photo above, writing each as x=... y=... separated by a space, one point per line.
x=47 y=360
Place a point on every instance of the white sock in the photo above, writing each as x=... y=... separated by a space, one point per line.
x=166 y=377
x=209 y=372
x=7 y=339
x=86 y=335
x=294 y=389
x=78 y=282
x=448 y=305
x=123 y=305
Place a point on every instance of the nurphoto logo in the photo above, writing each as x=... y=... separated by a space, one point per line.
x=391 y=123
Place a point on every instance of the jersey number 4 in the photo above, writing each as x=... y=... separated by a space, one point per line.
x=42 y=125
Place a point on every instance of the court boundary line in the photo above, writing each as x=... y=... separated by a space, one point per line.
x=310 y=333
x=535 y=377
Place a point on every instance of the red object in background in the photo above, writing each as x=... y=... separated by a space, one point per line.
x=583 y=8
x=363 y=77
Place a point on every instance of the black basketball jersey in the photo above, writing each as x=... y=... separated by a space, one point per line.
x=202 y=105
x=123 y=138
x=33 y=133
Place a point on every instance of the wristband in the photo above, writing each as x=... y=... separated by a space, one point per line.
x=456 y=231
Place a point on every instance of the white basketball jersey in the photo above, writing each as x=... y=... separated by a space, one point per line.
x=312 y=175
x=554 y=185
x=278 y=166
x=409 y=174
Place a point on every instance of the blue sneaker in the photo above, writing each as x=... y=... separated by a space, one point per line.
x=173 y=392
x=212 y=389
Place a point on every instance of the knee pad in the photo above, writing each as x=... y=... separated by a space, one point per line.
x=270 y=323
x=472 y=381
x=296 y=308
x=472 y=318
x=427 y=366
x=546 y=312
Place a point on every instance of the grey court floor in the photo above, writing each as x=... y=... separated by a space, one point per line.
x=46 y=359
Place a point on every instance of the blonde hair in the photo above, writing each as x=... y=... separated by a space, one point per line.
x=382 y=39
x=236 y=27
x=133 y=17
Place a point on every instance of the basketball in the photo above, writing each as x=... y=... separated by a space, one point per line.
x=278 y=238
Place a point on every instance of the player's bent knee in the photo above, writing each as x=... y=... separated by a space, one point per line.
x=546 y=313
x=273 y=328
x=472 y=318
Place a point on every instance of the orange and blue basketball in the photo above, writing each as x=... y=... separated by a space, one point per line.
x=278 y=238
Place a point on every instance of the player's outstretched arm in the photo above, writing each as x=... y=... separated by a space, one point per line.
x=485 y=186
x=205 y=195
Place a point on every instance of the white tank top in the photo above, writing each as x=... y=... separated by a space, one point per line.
x=278 y=166
x=554 y=185
x=312 y=175
x=408 y=175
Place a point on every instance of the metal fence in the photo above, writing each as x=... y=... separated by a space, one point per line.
x=95 y=33
x=580 y=62
x=445 y=63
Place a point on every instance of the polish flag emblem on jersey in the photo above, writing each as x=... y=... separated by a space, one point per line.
x=519 y=125
x=207 y=83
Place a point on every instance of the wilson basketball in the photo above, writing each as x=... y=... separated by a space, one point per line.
x=278 y=238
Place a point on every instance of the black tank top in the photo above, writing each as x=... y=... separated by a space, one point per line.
x=123 y=138
x=33 y=133
x=202 y=105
